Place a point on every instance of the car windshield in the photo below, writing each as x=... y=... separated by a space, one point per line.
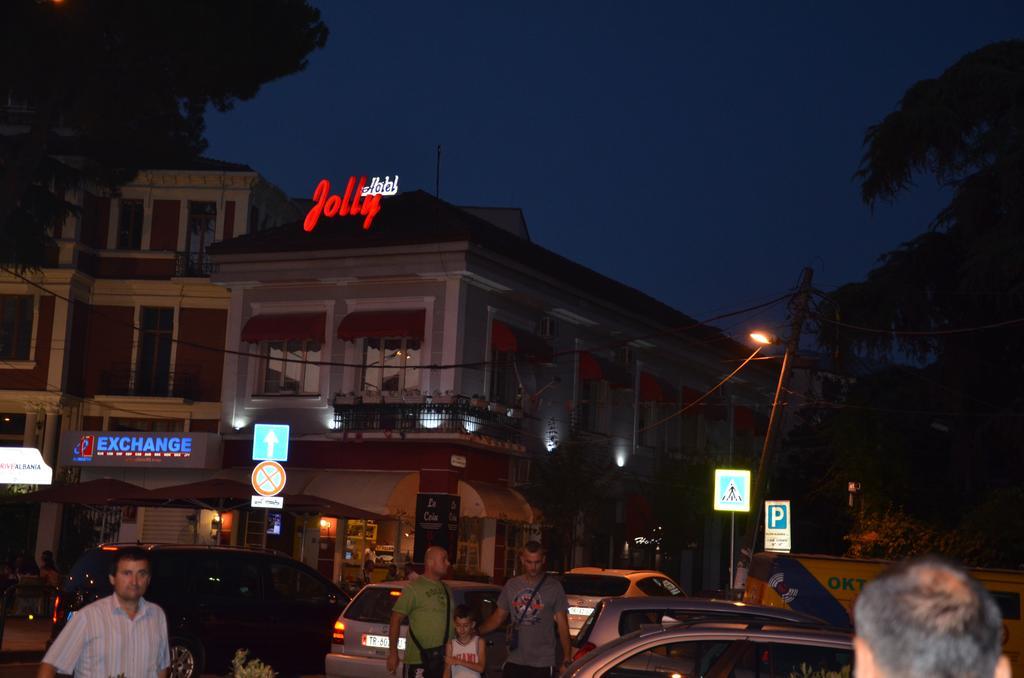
x=373 y=604
x=600 y=585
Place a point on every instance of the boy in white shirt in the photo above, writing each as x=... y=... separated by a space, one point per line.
x=466 y=655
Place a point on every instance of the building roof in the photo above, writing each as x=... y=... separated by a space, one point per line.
x=203 y=164
x=416 y=217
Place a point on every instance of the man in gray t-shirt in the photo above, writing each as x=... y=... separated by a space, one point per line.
x=533 y=604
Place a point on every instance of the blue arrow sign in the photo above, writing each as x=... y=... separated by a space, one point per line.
x=270 y=442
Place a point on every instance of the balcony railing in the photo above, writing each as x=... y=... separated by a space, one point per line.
x=193 y=265
x=457 y=417
x=123 y=380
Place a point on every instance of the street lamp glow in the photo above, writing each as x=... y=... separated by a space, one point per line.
x=761 y=338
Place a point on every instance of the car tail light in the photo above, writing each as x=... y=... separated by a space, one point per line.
x=56 y=606
x=339 y=632
x=587 y=647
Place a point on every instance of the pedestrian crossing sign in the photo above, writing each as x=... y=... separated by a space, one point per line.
x=732 y=490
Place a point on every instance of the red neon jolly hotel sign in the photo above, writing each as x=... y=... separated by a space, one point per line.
x=360 y=200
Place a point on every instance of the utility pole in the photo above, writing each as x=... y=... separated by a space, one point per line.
x=801 y=301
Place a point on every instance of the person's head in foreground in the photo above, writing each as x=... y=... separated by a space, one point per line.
x=926 y=618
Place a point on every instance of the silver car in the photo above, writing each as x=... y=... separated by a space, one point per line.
x=613 y=618
x=721 y=649
x=359 y=648
x=584 y=586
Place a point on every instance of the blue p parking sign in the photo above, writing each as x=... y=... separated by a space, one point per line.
x=778 y=516
x=778 y=529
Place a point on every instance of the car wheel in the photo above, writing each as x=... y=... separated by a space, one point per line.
x=187 y=658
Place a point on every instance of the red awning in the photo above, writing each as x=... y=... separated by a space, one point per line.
x=654 y=390
x=513 y=340
x=383 y=324
x=594 y=368
x=285 y=326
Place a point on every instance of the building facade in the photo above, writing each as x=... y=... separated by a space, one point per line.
x=122 y=330
x=435 y=356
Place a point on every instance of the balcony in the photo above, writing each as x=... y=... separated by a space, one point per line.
x=193 y=265
x=460 y=417
x=123 y=380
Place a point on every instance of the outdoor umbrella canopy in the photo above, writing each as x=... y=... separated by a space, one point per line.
x=307 y=503
x=100 y=492
x=223 y=494
x=219 y=494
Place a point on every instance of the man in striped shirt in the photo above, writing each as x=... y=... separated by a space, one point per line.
x=122 y=634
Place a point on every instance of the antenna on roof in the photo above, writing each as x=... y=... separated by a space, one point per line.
x=437 y=174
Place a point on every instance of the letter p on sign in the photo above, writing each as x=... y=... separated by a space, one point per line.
x=778 y=517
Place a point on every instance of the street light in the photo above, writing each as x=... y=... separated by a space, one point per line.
x=799 y=307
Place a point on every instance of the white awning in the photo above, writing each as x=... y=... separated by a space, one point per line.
x=488 y=500
x=390 y=493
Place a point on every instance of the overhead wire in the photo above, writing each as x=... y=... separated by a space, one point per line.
x=924 y=333
x=481 y=364
x=50 y=388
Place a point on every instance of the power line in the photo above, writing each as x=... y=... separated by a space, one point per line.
x=92 y=309
x=701 y=398
x=891 y=410
x=923 y=333
x=50 y=388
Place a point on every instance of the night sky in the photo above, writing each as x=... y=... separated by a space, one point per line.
x=700 y=153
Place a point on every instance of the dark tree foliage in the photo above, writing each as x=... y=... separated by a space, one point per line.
x=569 y=486
x=944 y=430
x=125 y=84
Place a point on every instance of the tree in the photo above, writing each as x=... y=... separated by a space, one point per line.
x=122 y=85
x=568 y=485
x=966 y=130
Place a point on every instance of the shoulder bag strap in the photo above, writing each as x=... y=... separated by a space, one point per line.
x=522 y=614
x=447 y=610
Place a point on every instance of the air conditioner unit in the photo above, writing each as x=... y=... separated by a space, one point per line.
x=548 y=327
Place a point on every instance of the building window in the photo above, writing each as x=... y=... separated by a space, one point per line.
x=153 y=374
x=650 y=414
x=146 y=425
x=285 y=367
x=129 y=227
x=504 y=381
x=390 y=364
x=16 y=327
x=254 y=219
x=202 y=227
x=593 y=411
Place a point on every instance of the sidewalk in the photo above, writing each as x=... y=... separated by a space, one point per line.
x=24 y=640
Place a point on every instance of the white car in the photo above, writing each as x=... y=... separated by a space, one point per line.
x=585 y=586
x=359 y=648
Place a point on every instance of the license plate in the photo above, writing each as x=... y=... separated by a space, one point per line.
x=371 y=640
x=580 y=611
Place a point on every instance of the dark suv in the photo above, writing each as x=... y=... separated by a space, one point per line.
x=220 y=599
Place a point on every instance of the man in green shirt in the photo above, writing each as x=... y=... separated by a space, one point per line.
x=424 y=601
